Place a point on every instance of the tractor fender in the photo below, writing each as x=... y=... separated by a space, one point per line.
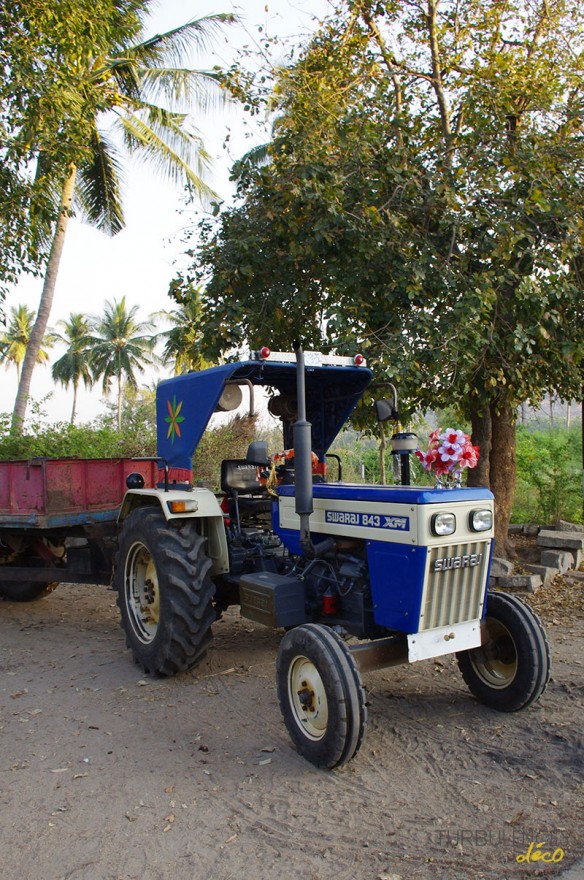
x=180 y=504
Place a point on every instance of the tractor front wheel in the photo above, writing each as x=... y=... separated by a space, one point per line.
x=321 y=695
x=164 y=591
x=511 y=669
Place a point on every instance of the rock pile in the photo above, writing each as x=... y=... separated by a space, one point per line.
x=560 y=550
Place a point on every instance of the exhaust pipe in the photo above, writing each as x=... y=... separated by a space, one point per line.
x=302 y=434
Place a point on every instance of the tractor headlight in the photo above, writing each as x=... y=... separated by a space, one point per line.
x=481 y=520
x=443 y=524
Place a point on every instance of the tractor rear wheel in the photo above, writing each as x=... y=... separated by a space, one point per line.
x=512 y=668
x=321 y=695
x=164 y=591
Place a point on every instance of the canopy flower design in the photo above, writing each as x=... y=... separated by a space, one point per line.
x=449 y=453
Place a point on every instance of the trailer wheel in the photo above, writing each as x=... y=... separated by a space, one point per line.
x=26 y=591
x=164 y=592
x=512 y=669
x=321 y=695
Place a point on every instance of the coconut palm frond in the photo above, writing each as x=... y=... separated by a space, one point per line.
x=120 y=345
x=199 y=87
x=121 y=78
x=176 y=155
x=98 y=186
x=172 y=45
x=126 y=74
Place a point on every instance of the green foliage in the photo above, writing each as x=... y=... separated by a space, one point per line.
x=423 y=205
x=549 y=482
x=549 y=477
x=99 y=438
x=73 y=367
x=183 y=342
x=433 y=222
x=120 y=347
x=14 y=339
x=46 y=104
x=107 y=79
x=64 y=440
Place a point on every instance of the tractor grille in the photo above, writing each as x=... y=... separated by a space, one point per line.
x=455 y=592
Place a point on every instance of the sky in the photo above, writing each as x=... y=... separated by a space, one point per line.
x=141 y=260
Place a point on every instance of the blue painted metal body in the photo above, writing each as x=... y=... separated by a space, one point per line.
x=396 y=570
x=393 y=494
x=396 y=575
x=185 y=404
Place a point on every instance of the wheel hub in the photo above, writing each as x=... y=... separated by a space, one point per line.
x=496 y=662
x=142 y=593
x=308 y=698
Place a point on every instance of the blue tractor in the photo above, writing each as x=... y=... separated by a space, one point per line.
x=358 y=577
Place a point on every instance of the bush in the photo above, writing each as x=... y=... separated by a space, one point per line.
x=100 y=439
x=548 y=475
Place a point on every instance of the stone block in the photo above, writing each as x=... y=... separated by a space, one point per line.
x=560 y=559
x=563 y=526
x=546 y=573
x=527 y=583
x=516 y=529
x=501 y=567
x=531 y=530
x=560 y=540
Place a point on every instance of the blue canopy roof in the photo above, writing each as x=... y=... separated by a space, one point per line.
x=185 y=404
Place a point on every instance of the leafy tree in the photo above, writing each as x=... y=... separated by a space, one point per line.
x=34 y=85
x=183 y=342
x=14 y=340
x=122 y=78
x=423 y=203
x=73 y=366
x=120 y=348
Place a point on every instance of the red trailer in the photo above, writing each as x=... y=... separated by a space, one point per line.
x=58 y=521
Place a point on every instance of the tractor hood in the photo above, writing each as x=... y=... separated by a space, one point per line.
x=185 y=404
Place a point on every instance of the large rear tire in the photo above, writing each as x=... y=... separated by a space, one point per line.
x=321 y=695
x=164 y=591
x=511 y=670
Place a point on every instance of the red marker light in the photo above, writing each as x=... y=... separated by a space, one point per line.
x=359 y=359
x=265 y=352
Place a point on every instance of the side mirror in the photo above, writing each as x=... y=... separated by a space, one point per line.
x=385 y=410
x=257 y=453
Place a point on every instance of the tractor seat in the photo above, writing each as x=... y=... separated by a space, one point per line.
x=239 y=480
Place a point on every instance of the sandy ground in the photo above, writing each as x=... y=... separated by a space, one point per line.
x=108 y=775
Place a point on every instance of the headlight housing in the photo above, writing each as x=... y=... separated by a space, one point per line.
x=183 y=506
x=443 y=524
x=481 y=520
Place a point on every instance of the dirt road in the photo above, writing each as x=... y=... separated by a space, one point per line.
x=109 y=775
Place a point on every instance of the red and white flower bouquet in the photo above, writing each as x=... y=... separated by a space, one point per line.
x=449 y=453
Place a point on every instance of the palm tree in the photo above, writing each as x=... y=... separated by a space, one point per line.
x=183 y=340
x=73 y=366
x=120 y=348
x=133 y=84
x=14 y=340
